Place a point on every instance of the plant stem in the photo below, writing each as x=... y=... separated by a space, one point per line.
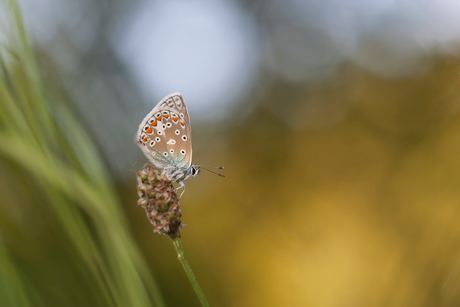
x=183 y=260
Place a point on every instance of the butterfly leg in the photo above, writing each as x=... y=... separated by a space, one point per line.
x=181 y=186
x=179 y=177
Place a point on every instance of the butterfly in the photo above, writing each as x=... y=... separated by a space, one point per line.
x=165 y=137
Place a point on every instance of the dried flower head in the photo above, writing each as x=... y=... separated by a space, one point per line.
x=159 y=200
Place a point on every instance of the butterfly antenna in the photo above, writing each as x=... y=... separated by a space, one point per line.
x=212 y=171
x=216 y=167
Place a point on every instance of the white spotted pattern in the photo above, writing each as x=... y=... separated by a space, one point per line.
x=172 y=147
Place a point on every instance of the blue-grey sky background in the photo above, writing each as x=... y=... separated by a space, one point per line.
x=211 y=51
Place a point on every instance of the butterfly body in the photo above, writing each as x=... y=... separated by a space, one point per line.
x=164 y=136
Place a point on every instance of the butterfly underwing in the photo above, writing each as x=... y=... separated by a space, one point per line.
x=164 y=136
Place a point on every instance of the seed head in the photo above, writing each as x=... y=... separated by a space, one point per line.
x=159 y=200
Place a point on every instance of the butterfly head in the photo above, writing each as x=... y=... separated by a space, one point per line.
x=194 y=171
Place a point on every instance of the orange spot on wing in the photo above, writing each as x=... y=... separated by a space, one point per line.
x=182 y=123
x=166 y=115
x=145 y=140
x=149 y=130
x=175 y=119
x=154 y=124
x=159 y=117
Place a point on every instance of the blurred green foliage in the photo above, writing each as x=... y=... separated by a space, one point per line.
x=51 y=167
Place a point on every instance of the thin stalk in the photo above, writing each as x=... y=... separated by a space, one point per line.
x=183 y=260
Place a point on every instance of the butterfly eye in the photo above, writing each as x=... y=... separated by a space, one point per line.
x=152 y=143
x=184 y=137
x=171 y=151
x=168 y=125
x=182 y=152
x=157 y=139
x=159 y=132
x=165 y=154
x=164 y=126
x=177 y=132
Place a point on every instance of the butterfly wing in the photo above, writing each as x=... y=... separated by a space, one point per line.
x=164 y=135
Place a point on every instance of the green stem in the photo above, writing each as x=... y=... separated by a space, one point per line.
x=183 y=260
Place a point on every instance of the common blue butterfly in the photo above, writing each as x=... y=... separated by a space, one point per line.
x=165 y=137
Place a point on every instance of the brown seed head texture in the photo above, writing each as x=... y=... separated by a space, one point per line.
x=160 y=202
